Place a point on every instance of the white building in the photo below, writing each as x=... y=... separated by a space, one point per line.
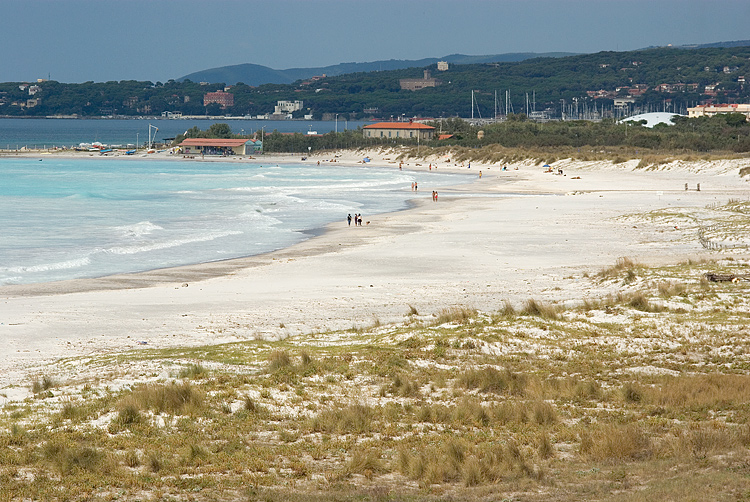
x=711 y=110
x=287 y=107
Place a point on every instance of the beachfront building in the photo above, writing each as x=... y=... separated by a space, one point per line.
x=214 y=146
x=711 y=110
x=405 y=130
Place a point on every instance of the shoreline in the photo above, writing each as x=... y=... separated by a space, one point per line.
x=461 y=251
x=198 y=270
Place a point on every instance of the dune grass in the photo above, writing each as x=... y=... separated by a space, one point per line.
x=595 y=401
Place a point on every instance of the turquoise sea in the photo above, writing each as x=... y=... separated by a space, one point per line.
x=77 y=218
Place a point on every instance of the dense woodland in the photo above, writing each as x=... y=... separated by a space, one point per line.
x=722 y=133
x=551 y=82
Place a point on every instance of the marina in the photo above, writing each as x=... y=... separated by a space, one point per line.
x=67 y=133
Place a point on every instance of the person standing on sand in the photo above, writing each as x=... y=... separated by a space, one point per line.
x=415 y=186
x=349 y=219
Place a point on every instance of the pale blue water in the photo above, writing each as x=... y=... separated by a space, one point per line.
x=76 y=218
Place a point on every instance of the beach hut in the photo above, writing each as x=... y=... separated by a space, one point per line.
x=218 y=146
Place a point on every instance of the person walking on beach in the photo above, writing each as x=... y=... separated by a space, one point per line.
x=415 y=186
x=349 y=219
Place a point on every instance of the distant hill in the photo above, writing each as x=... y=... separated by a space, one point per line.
x=255 y=75
x=736 y=43
x=714 y=45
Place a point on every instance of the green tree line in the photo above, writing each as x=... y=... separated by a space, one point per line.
x=726 y=133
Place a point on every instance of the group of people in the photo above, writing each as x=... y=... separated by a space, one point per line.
x=357 y=220
x=414 y=186
x=434 y=196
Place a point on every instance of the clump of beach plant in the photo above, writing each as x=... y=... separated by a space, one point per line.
x=193 y=371
x=490 y=379
x=536 y=308
x=279 y=359
x=42 y=385
x=456 y=315
x=623 y=265
x=615 y=442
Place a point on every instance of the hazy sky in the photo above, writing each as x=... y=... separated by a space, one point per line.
x=102 y=40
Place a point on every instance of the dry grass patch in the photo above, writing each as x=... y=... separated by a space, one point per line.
x=352 y=419
x=700 y=392
x=543 y=310
x=612 y=442
x=489 y=379
x=455 y=315
x=623 y=266
x=174 y=398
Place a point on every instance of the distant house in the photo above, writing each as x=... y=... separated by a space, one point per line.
x=405 y=130
x=223 y=99
x=213 y=146
x=415 y=84
x=284 y=106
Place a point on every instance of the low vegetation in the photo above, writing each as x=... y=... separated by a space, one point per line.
x=639 y=395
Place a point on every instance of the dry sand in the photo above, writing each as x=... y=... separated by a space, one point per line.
x=510 y=235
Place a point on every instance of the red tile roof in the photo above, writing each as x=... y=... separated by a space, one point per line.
x=213 y=142
x=398 y=125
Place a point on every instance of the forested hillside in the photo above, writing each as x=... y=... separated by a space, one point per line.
x=589 y=82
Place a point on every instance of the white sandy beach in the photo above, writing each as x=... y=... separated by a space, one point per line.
x=510 y=235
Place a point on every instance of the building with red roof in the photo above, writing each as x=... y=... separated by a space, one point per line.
x=711 y=110
x=404 y=130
